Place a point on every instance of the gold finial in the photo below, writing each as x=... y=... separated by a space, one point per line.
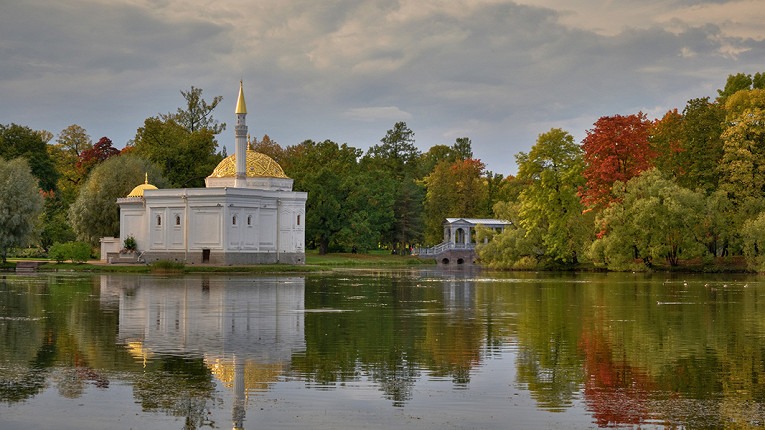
x=241 y=107
x=146 y=179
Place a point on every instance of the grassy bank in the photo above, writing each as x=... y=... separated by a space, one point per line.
x=314 y=263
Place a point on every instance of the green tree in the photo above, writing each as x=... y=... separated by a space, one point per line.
x=734 y=84
x=397 y=158
x=460 y=150
x=652 y=218
x=197 y=114
x=753 y=234
x=347 y=207
x=740 y=82
x=20 y=204
x=65 y=153
x=95 y=214
x=550 y=203
x=701 y=145
x=186 y=157
x=19 y=141
x=514 y=248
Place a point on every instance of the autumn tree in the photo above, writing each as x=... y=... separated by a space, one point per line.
x=616 y=149
x=268 y=147
x=97 y=154
x=456 y=189
x=743 y=161
x=666 y=140
x=95 y=213
x=20 y=141
x=20 y=204
x=550 y=203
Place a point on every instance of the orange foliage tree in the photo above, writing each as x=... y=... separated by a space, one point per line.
x=616 y=149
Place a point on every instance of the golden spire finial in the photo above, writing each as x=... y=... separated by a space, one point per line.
x=146 y=179
x=241 y=107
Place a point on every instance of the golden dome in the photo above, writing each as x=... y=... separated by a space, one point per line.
x=257 y=166
x=138 y=191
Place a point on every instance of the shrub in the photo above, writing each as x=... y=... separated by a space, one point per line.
x=58 y=252
x=130 y=244
x=78 y=252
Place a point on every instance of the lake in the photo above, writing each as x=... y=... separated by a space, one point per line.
x=366 y=349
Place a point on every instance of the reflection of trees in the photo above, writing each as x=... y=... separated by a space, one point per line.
x=177 y=386
x=616 y=392
x=548 y=361
x=25 y=381
x=389 y=331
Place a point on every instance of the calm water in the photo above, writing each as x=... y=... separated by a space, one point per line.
x=420 y=349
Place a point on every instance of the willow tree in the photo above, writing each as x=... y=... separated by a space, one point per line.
x=95 y=214
x=652 y=218
x=20 y=204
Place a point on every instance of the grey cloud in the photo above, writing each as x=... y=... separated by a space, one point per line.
x=55 y=37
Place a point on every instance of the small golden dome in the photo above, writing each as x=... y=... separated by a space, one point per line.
x=138 y=191
x=258 y=166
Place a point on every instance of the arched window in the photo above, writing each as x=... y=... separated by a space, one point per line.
x=177 y=220
x=159 y=220
x=298 y=219
x=249 y=219
x=233 y=220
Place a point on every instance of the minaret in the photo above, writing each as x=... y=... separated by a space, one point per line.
x=240 y=132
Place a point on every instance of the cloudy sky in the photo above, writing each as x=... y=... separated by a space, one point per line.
x=497 y=71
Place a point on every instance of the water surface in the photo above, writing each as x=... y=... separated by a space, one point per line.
x=420 y=349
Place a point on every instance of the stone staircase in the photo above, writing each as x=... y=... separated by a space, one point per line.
x=28 y=266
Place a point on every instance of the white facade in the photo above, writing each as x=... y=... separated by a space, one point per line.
x=239 y=218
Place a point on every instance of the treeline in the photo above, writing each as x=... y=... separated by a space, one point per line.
x=637 y=192
x=393 y=196
x=634 y=193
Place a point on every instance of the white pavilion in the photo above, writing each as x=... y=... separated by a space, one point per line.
x=246 y=214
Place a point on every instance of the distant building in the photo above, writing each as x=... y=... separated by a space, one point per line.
x=458 y=247
x=246 y=214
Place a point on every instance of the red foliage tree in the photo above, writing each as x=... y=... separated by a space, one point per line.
x=90 y=158
x=616 y=149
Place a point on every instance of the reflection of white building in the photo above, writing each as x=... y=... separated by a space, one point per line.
x=215 y=317
x=247 y=329
x=247 y=214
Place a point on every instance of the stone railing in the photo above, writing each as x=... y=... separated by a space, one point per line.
x=441 y=248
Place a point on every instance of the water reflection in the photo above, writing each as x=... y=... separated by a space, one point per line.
x=374 y=348
x=246 y=330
